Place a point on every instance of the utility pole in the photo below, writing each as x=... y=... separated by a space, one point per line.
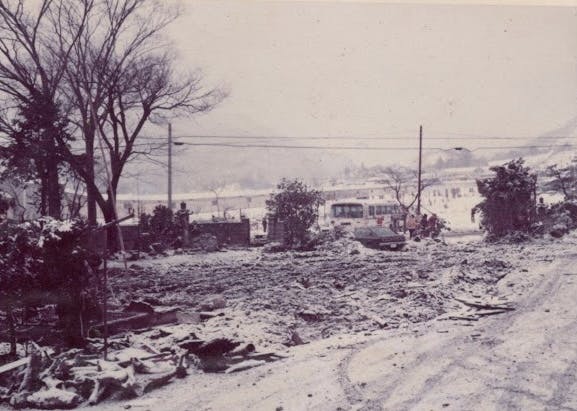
x=419 y=178
x=169 y=166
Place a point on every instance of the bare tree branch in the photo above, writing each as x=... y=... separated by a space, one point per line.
x=402 y=181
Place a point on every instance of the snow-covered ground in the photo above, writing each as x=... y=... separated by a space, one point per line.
x=349 y=361
x=452 y=199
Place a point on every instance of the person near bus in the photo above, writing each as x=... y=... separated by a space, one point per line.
x=424 y=226
x=433 y=225
x=412 y=224
x=541 y=209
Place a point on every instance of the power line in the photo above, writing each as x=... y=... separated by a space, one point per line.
x=338 y=147
x=382 y=138
x=304 y=147
x=482 y=136
x=162 y=140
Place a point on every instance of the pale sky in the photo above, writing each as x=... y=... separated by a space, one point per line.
x=370 y=69
x=375 y=69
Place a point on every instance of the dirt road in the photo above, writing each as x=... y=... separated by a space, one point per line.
x=522 y=360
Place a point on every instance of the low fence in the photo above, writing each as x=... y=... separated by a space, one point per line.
x=228 y=233
x=235 y=233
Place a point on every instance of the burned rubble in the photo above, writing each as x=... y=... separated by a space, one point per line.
x=319 y=293
x=134 y=363
x=230 y=311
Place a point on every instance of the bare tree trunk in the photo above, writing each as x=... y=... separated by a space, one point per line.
x=54 y=193
x=90 y=194
x=11 y=331
x=43 y=193
x=112 y=231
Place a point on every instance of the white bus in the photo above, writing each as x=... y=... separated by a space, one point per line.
x=365 y=213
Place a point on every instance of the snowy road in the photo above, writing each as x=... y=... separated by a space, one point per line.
x=523 y=360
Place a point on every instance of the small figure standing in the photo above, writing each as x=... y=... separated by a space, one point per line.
x=541 y=209
x=424 y=225
x=264 y=223
x=182 y=216
x=412 y=225
x=433 y=224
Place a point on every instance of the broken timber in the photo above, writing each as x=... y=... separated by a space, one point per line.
x=482 y=305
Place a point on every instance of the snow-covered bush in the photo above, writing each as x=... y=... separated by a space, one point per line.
x=161 y=225
x=296 y=205
x=42 y=262
x=509 y=199
x=6 y=202
x=560 y=218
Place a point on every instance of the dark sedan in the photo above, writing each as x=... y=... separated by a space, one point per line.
x=380 y=237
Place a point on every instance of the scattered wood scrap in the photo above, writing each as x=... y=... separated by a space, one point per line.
x=477 y=308
x=244 y=365
x=14 y=365
x=135 y=367
x=485 y=305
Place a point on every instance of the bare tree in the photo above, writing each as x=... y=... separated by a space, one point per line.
x=121 y=78
x=35 y=45
x=102 y=65
x=563 y=179
x=403 y=183
x=74 y=195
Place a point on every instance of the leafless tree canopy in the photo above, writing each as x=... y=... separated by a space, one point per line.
x=106 y=64
x=403 y=183
x=35 y=43
x=36 y=40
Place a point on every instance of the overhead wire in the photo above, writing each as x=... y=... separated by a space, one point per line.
x=347 y=147
x=335 y=147
x=405 y=137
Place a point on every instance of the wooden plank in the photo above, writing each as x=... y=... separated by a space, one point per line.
x=245 y=365
x=485 y=305
x=491 y=312
x=13 y=365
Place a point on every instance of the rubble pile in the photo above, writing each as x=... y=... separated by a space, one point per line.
x=327 y=291
x=228 y=304
x=204 y=242
x=136 y=363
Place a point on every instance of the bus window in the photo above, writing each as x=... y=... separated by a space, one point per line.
x=338 y=211
x=371 y=211
x=356 y=211
x=347 y=211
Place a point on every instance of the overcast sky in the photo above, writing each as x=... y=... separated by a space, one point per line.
x=375 y=69
x=371 y=69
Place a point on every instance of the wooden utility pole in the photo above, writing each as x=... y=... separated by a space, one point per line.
x=419 y=178
x=169 y=205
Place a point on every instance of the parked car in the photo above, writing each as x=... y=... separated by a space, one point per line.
x=381 y=238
